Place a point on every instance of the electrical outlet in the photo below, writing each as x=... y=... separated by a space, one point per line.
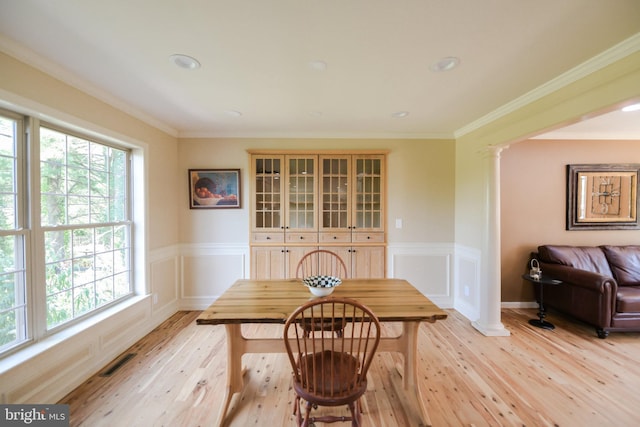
x=398 y=222
x=466 y=291
x=155 y=298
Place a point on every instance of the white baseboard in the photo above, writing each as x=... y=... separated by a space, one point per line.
x=531 y=304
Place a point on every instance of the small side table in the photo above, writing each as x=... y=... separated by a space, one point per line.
x=541 y=323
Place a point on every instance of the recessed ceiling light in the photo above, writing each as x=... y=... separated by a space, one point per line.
x=233 y=113
x=185 y=61
x=445 y=64
x=315 y=113
x=632 y=107
x=400 y=114
x=318 y=65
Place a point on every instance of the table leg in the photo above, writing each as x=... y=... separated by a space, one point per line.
x=540 y=322
x=235 y=382
x=410 y=375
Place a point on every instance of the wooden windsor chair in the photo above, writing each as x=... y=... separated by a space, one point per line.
x=321 y=262
x=331 y=370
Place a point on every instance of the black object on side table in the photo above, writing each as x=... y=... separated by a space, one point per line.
x=542 y=281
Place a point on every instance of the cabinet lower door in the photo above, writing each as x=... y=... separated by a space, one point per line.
x=363 y=262
x=267 y=263
x=293 y=255
x=344 y=252
x=368 y=262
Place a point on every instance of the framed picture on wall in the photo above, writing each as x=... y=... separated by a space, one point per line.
x=214 y=188
x=602 y=196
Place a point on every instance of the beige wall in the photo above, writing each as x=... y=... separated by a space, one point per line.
x=31 y=91
x=420 y=186
x=533 y=188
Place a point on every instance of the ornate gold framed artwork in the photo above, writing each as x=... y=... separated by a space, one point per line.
x=602 y=196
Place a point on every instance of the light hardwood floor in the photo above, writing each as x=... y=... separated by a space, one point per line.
x=566 y=377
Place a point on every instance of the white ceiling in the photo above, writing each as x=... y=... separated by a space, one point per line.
x=256 y=57
x=616 y=125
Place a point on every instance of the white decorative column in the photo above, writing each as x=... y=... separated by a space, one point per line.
x=489 y=322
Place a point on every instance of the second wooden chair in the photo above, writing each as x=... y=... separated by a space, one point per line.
x=321 y=262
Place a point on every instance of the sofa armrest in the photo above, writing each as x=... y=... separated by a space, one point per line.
x=588 y=296
x=588 y=280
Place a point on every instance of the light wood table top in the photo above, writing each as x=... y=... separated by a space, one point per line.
x=271 y=301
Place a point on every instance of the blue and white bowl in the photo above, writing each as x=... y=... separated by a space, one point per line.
x=321 y=285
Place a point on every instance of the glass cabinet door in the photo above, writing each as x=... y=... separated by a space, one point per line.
x=368 y=193
x=335 y=193
x=301 y=193
x=268 y=193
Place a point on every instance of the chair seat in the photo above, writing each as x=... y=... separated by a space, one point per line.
x=329 y=372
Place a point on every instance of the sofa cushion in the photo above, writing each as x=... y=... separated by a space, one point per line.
x=628 y=299
x=589 y=258
x=625 y=263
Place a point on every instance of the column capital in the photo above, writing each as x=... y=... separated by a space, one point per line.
x=493 y=151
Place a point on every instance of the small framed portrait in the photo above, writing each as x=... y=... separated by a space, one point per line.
x=602 y=196
x=214 y=188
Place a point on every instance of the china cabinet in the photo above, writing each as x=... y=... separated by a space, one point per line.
x=301 y=201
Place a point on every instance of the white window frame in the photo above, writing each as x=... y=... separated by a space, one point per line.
x=24 y=331
x=29 y=203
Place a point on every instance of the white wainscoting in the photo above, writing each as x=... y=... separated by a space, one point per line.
x=446 y=273
x=207 y=270
x=164 y=280
x=467 y=282
x=428 y=267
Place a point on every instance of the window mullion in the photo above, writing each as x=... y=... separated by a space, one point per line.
x=25 y=330
x=37 y=292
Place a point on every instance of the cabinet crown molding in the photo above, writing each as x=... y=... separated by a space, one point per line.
x=319 y=152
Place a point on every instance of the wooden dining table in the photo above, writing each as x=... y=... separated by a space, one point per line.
x=272 y=301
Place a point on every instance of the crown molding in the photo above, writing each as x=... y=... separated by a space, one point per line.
x=313 y=135
x=598 y=62
x=29 y=57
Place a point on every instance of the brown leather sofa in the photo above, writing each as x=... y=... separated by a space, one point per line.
x=600 y=284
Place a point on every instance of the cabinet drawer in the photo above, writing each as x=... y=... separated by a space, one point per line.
x=302 y=237
x=368 y=237
x=267 y=237
x=335 y=237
